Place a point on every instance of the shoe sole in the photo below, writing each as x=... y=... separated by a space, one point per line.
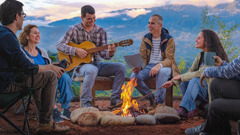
x=64 y=117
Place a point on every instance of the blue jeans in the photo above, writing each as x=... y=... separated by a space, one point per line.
x=163 y=75
x=91 y=71
x=192 y=90
x=65 y=89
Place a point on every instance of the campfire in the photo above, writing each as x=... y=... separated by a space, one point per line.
x=130 y=106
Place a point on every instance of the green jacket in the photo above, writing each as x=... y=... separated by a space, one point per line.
x=195 y=72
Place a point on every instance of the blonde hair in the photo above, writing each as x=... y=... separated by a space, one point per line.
x=26 y=31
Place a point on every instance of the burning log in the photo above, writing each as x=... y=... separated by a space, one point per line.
x=129 y=107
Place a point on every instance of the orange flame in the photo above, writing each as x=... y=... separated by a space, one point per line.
x=127 y=91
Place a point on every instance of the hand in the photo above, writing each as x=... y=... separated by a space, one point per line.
x=111 y=49
x=55 y=63
x=178 y=77
x=218 y=61
x=201 y=79
x=81 y=53
x=154 y=70
x=58 y=70
x=136 y=70
x=168 y=84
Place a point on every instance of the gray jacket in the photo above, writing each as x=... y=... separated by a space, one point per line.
x=42 y=52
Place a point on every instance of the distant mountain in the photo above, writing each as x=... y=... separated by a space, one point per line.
x=182 y=21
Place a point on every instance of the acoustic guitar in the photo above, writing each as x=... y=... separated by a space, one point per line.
x=90 y=49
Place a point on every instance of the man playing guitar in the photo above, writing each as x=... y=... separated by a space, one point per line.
x=87 y=30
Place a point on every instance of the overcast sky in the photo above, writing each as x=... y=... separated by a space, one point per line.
x=54 y=10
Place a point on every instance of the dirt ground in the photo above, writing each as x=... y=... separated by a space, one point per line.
x=163 y=129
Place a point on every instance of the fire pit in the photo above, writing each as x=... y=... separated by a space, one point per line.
x=129 y=106
x=130 y=113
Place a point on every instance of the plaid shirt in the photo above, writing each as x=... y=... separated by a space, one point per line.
x=77 y=35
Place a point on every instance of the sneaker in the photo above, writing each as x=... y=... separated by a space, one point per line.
x=182 y=112
x=195 y=130
x=87 y=104
x=66 y=114
x=56 y=116
x=116 y=101
x=51 y=127
x=193 y=113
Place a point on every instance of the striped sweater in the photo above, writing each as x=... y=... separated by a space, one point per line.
x=227 y=71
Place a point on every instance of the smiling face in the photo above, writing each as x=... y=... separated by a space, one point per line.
x=88 y=20
x=153 y=25
x=34 y=36
x=200 y=43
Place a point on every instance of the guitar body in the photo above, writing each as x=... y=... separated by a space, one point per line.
x=90 y=49
x=75 y=60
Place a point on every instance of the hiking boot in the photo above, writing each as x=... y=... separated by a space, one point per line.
x=152 y=104
x=193 y=113
x=51 y=127
x=195 y=130
x=56 y=116
x=116 y=101
x=182 y=112
x=87 y=104
x=66 y=114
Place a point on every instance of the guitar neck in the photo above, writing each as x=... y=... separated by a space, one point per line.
x=100 y=48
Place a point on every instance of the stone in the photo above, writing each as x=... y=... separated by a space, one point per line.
x=106 y=113
x=89 y=118
x=145 y=120
x=117 y=121
x=166 y=118
x=165 y=109
x=77 y=112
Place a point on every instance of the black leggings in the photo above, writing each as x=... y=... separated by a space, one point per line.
x=225 y=106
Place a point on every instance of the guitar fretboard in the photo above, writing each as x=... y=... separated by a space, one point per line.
x=100 y=48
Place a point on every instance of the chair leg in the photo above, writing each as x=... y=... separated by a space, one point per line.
x=17 y=111
x=80 y=94
x=12 y=124
x=25 y=110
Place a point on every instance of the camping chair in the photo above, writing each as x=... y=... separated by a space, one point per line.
x=7 y=100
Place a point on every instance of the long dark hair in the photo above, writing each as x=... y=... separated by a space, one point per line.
x=214 y=44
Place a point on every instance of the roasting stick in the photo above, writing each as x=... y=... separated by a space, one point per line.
x=149 y=93
x=119 y=104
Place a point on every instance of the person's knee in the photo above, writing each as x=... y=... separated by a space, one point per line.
x=92 y=72
x=121 y=67
x=214 y=85
x=164 y=72
x=137 y=76
x=133 y=75
x=50 y=74
x=65 y=77
x=195 y=80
